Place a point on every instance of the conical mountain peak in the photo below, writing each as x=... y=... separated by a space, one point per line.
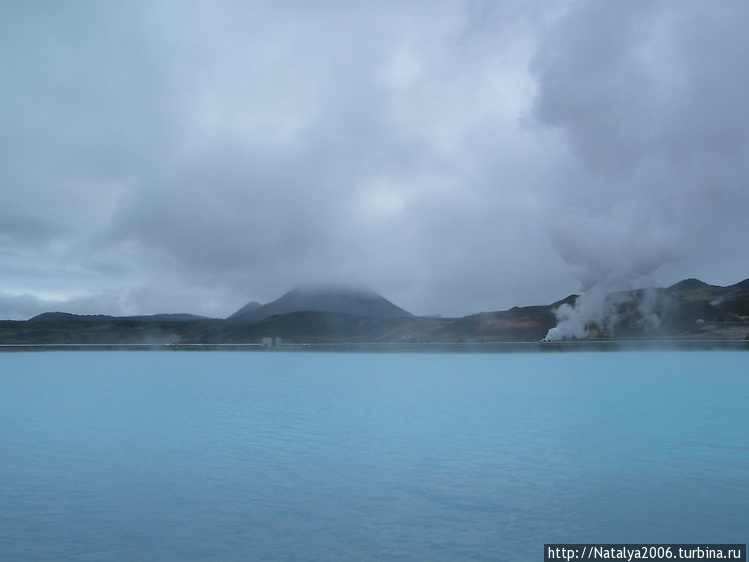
x=346 y=300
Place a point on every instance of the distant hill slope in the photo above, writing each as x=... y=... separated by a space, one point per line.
x=730 y=301
x=527 y=323
x=689 y=309
x=247 y=311
x=356 y=302
x=87 y=318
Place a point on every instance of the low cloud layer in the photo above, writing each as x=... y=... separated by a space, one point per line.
x=456 y=157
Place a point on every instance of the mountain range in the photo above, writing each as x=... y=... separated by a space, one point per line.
x=689 y=309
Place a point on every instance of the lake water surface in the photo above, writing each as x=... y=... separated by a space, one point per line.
x=304 y=456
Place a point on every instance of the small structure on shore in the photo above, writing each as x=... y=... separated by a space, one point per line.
x=596 y=333
x=272 y=342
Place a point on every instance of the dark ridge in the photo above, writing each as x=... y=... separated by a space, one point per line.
x=67 y=317
x=179 y=317
x=570 y=300
x=689 y=285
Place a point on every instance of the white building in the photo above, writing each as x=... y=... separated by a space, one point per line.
x=272 y=342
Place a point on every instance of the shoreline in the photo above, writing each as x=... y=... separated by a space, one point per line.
x=458 y=347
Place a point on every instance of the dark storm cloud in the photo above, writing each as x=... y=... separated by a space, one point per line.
x=457 y=156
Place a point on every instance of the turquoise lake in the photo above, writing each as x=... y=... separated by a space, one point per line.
x=352 y=456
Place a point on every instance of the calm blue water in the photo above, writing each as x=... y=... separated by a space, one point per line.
x=285 y=456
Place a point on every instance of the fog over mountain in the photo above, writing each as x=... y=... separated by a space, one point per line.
x=457 y=156
x=346 y=300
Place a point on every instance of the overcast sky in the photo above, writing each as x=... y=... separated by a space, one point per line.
x=455 y=156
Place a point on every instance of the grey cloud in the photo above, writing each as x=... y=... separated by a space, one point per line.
x=456 y=156
x=649 y=95
x=632 y=81
x=21 y=227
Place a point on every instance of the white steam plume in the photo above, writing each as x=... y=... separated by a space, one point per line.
x=590 y=308
x=605 y=311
